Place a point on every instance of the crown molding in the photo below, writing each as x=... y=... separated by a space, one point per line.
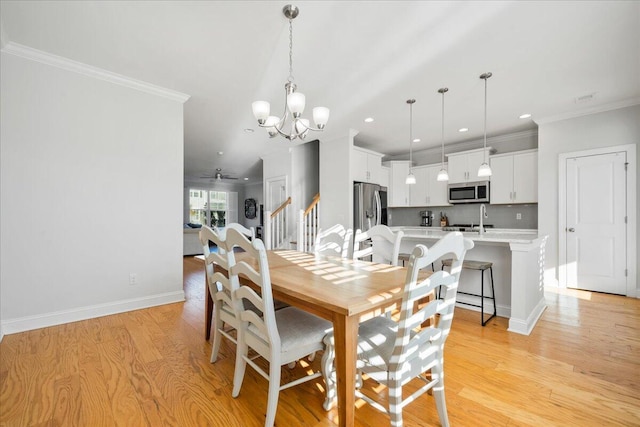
x=630 y=102
x=472 y=144
x=90 y=71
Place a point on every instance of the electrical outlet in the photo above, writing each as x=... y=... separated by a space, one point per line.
x=133 y=279
x=518 y=215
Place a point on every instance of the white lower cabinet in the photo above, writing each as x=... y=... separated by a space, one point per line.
x=514 y=178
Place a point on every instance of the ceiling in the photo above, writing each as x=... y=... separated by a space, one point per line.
x=359 y=58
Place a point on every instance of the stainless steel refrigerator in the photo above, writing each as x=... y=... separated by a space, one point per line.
x=369 y=205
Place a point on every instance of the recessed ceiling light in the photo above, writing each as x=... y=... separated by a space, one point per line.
x=249 y=130
x=463 y=129
x=525 y=116
x=416 y=140
x=246 y=179
x=220 y=153
x=368 y=120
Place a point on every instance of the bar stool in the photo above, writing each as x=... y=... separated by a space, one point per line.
x=404 y=258
x=481 y=266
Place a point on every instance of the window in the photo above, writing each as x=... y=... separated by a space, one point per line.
x=211 y=207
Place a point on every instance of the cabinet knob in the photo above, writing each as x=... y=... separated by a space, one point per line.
x=571 y=230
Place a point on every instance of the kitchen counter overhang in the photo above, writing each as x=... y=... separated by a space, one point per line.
x=518 y=267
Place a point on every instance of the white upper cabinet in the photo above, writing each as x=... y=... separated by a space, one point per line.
x=385 y=175
x=398 y=190
x=366 y=165
x=515 y=178
x=437 y=193
x=463 y=166
x=428 y=191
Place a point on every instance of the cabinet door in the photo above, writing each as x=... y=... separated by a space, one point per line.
x=457 y=168
x=437 y=192
x=359 y=169
x=474 y=160
x=374 y=165
x=525 y=178
x=501 y=190
x=418 y=192
x=399 y=191
x=385 y=175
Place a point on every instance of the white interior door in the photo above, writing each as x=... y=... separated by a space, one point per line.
x=596 y=223
x=277 y=193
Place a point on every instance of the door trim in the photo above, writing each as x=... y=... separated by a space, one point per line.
x=631 y=241
x=267 y=189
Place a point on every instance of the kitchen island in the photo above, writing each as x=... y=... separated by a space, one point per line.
x=518 y=263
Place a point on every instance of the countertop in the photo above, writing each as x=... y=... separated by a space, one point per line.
x=493 y=235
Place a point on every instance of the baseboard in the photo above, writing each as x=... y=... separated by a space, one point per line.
x=501 y=310
x=525 y=327
x=13 y=326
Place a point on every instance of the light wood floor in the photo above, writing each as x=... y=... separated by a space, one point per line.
x=579 y=367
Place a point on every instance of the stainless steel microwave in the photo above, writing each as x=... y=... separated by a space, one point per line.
x=469 y=192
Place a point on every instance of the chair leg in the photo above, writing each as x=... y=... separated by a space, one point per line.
x=274 y=391
x=493 y=293
x=216 y=326
x=482 y=298
x=395 y=404
x=438 y=395
x=241 y=365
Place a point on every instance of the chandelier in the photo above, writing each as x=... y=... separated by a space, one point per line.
x=290 y=125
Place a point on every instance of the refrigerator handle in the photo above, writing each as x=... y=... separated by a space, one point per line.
x=376 y=194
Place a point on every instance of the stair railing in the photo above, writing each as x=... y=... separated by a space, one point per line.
x=308 y=225
x=275 y=231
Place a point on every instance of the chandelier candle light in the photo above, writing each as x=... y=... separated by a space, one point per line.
x=294 y=101
x=485 y=169
x=411 y=178
x=443 y=175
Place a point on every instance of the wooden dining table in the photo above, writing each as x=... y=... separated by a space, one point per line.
x=344 y=292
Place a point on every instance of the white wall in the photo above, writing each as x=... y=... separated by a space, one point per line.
x=336 y=183
x=252 y=191
x=91 y=191
x=605 y=129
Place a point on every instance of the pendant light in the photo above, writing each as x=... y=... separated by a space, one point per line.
x=411 y=178
x=485 y=169
x=443 y=175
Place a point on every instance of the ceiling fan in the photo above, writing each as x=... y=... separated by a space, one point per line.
x=218 y=176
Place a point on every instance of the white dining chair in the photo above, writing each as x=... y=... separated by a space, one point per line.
x=221 y=288
x=394 y=353
x=379 y=242
x=335 y=240
x=280 y=337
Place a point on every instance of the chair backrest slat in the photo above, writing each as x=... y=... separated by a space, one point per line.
x=385 y=244
x=261 y=297
x=454 y=246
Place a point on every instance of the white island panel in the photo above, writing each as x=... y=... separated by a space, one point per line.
x=518 y=260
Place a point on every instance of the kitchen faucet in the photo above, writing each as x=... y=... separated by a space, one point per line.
x=483 y=214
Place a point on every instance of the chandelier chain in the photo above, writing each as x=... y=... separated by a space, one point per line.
x=290 y=79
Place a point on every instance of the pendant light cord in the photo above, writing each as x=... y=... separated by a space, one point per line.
x=443 y=130
x=410 y=137
x=485 y=119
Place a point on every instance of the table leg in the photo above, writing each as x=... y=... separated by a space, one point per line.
x=208 y=312
x=345 y=331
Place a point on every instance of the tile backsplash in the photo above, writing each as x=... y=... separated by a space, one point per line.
x=500 y=216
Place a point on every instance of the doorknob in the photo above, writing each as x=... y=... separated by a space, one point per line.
x=571 y=230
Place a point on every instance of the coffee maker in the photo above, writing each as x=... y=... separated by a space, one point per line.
x=426 y=218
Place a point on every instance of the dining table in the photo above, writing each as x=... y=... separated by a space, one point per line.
x=343 y=291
